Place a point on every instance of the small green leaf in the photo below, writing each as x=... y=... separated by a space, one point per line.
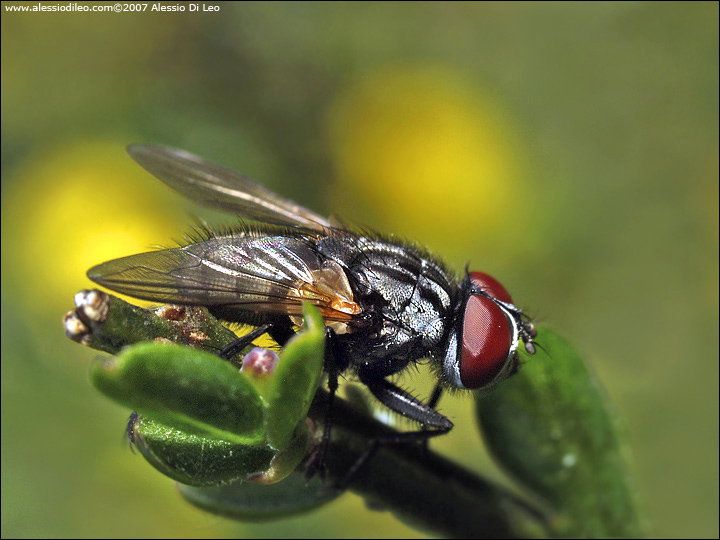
x=196 y=460
x=295 y=380
x=255 y=502
x=285 y=461
x=189 y=389
x=552 y=427
x=203 y=421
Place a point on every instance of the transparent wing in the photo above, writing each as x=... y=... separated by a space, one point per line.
x=264 y=274
x=215 y=186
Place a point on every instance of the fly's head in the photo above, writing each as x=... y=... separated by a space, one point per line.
x=483 y=344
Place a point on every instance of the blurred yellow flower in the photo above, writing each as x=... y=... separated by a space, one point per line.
x=426 y=152
x=71 y=208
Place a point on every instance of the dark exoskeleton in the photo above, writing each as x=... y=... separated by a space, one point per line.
x=385 y=303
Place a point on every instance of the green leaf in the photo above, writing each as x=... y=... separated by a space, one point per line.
x=255 y=502
x=196 y=460
x=552 y=427
x=189 y=389
x=286 y=460
x=295 y=380
x=203 y=421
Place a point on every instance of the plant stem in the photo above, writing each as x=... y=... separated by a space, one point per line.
x=419 y=486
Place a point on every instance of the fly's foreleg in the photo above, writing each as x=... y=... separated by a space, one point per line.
x=280 y=332
x=434 y=398
x=402 y=402
x=231 y=349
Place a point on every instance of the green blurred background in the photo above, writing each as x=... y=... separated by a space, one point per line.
x=571 y=150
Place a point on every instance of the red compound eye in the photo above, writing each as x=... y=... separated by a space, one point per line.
x=486 y=341
x=491 y=286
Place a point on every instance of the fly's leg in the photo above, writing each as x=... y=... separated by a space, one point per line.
x=281 y=333
x=231 y=349
x=434 y=398
x=402 y=402
x=130 y=430
x=315 y=463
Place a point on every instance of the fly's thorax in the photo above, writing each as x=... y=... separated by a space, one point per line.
x=407 y=294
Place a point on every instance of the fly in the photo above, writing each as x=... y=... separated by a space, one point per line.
x=385 y=303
